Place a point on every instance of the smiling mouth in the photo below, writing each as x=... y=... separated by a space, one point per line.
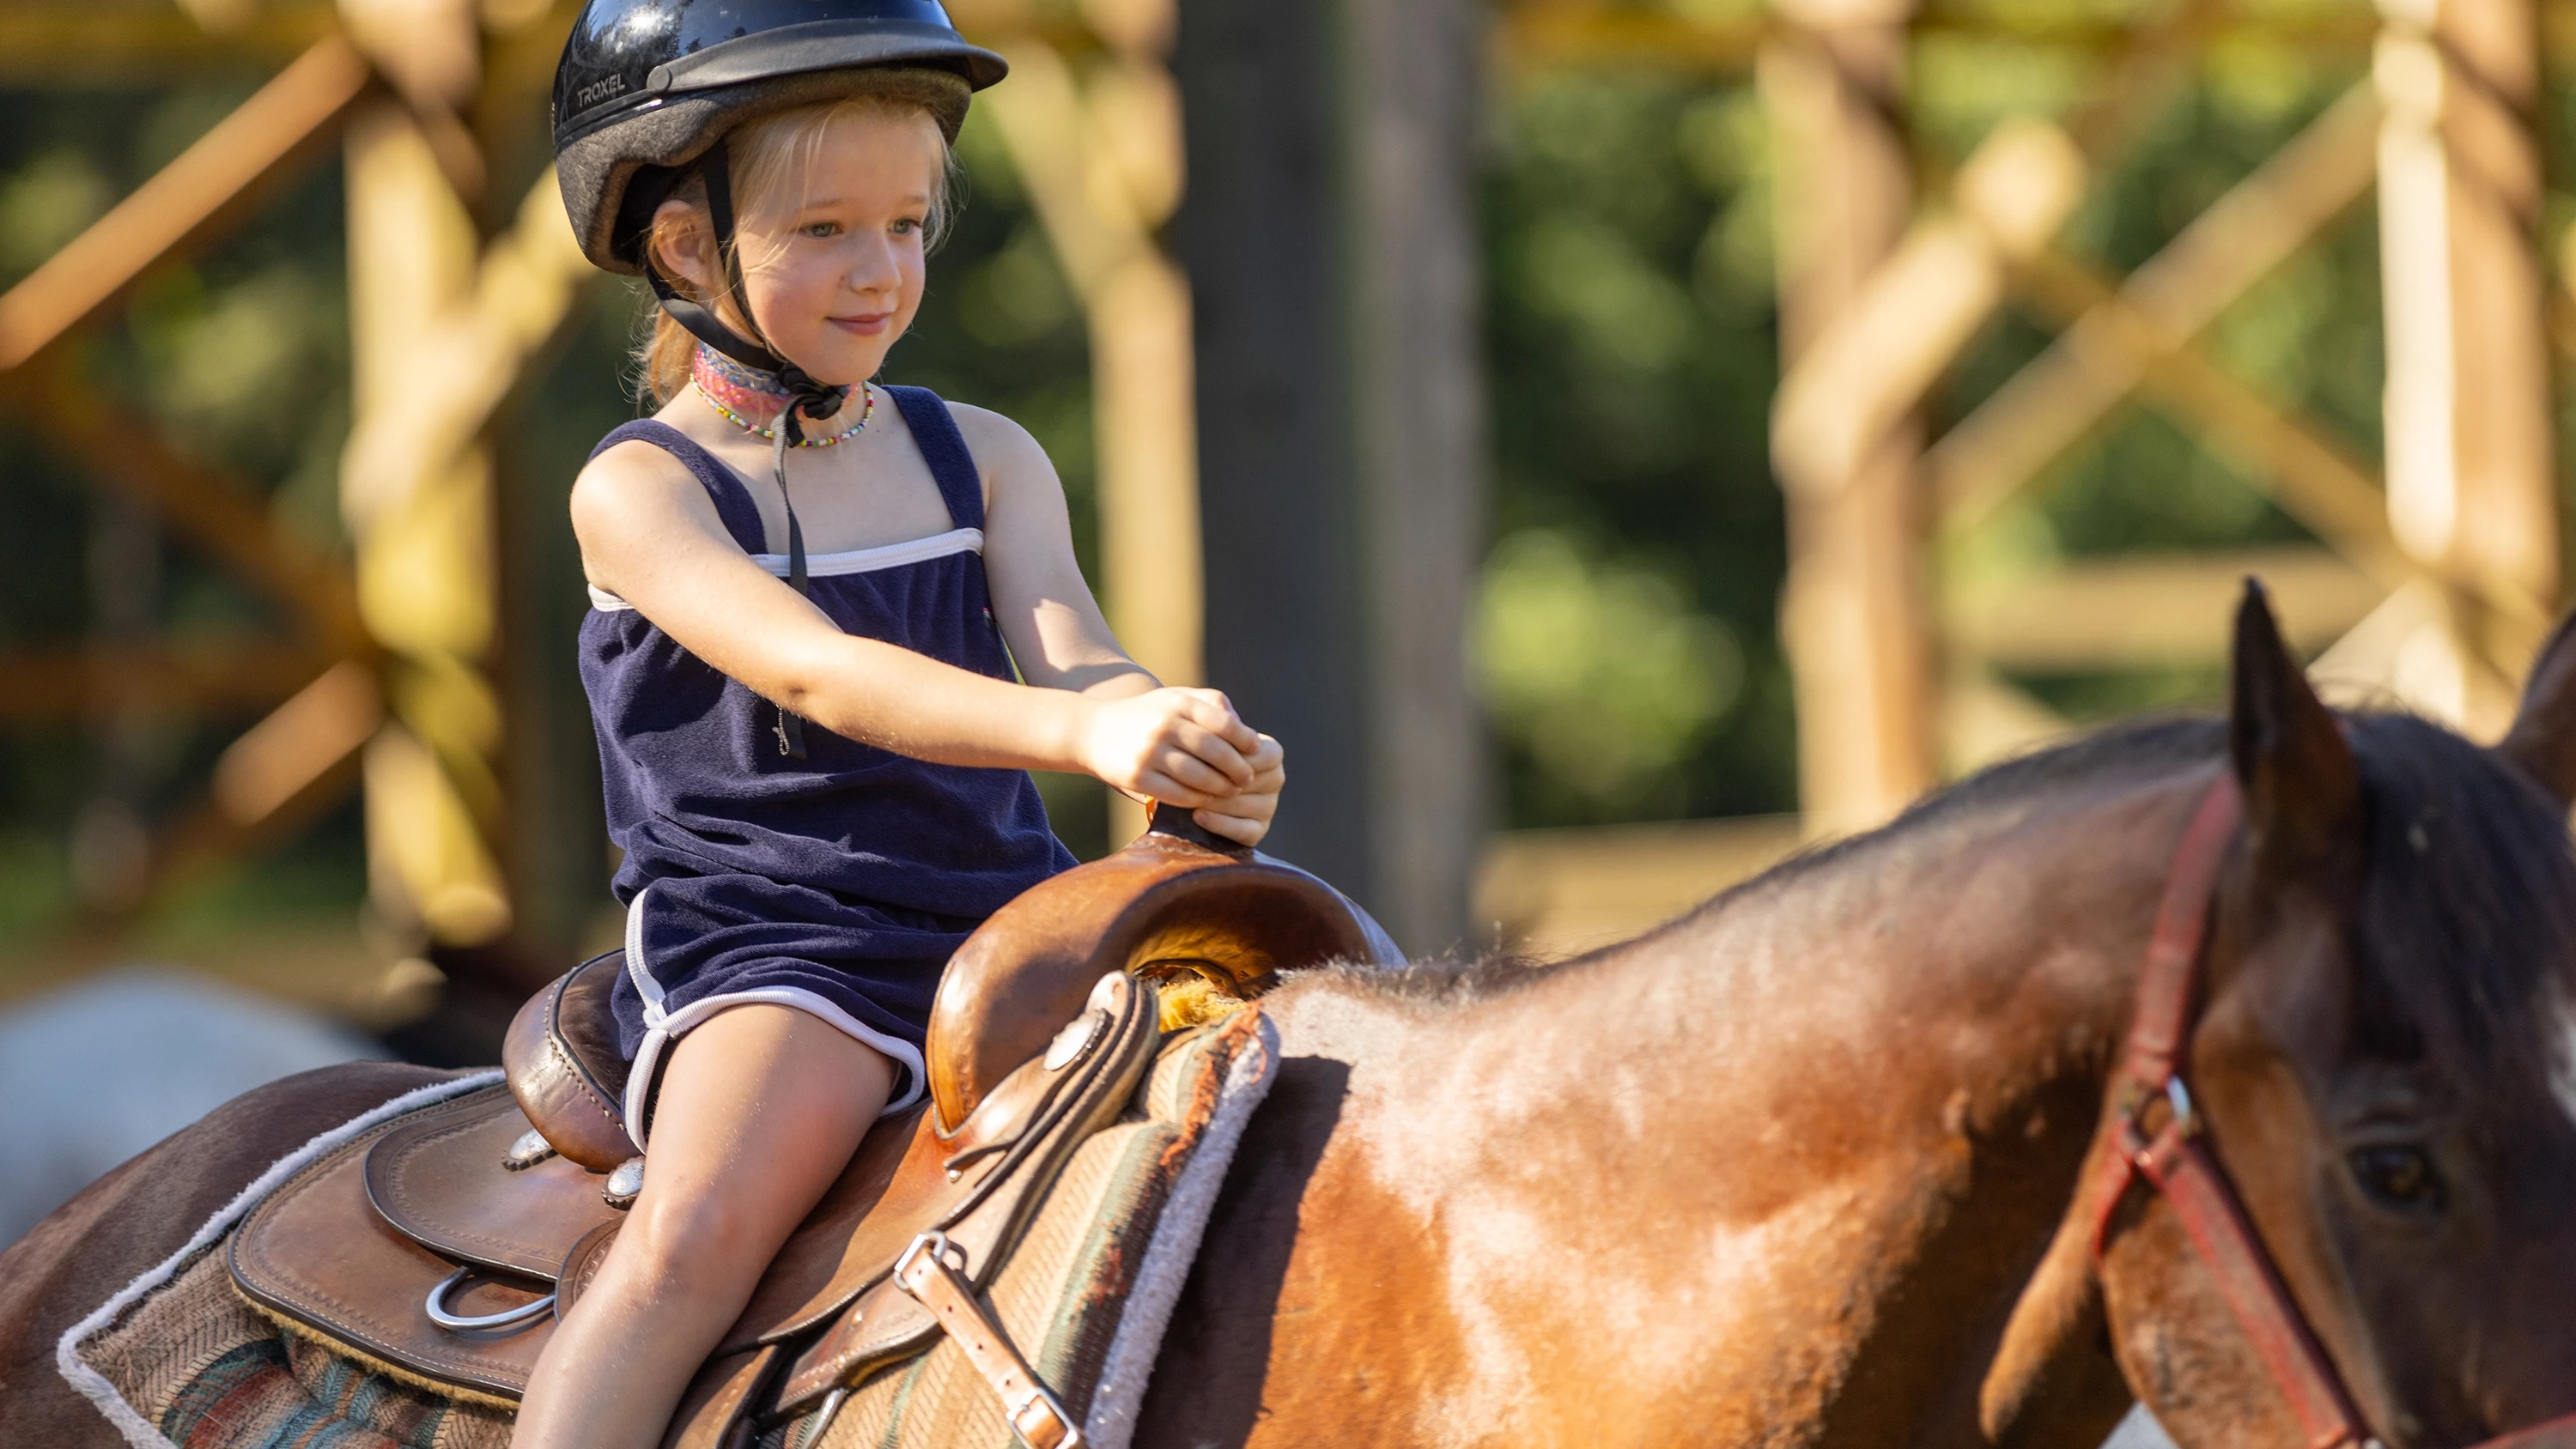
x=865 y=324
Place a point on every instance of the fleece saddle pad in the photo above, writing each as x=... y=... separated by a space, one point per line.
x=180 y=1358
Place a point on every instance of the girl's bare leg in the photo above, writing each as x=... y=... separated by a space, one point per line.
x=760 y=1110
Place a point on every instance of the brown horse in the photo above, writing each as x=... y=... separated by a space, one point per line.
x=1812 y=1165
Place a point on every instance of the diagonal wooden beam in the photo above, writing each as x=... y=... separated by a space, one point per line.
x=2314 y=479
x=53 y=46
x=2063 y=393
x=1921 y=306
x=271 y=783
x=213 y=180
x=1871 y=366
x=461 y=368
x=85 y=682
x=300 y=742
x=215 y=512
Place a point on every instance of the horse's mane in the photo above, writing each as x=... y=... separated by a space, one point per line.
x=2466 y=937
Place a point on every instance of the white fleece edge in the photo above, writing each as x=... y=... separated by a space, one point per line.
x=92 y=1384
x=1111 y=1424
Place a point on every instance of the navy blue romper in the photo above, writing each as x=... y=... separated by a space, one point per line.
x=841 y=883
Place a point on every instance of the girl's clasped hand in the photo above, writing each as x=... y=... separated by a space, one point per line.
x=1188 y=747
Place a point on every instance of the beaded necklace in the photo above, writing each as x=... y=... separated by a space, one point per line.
x=752 y=400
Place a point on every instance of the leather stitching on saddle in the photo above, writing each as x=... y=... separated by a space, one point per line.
x=581 y=1079
x=402 y=1158
x=349 y=1324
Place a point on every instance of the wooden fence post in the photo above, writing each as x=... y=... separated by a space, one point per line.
x=1853 y=617
x=2472 y=496
x=1414 y=313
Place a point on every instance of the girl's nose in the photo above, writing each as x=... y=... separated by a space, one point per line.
x=874 y=268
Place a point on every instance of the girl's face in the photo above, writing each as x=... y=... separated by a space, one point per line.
x=832 y=255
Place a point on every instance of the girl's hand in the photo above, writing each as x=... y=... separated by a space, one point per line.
x=1184 y=747
x=1244 y=818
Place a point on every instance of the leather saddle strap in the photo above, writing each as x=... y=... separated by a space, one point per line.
x=927 y=1275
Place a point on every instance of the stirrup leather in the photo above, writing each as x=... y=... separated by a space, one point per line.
x=926 y=1273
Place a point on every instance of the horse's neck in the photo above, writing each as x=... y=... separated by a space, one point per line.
x=1727 y=1146
x=1984 y=954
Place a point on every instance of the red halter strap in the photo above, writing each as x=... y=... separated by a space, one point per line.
x=2175 y=1159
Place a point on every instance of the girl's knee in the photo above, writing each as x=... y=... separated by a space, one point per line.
x=697 y=1236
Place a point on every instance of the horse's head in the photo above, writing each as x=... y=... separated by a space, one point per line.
x=2376 y=1057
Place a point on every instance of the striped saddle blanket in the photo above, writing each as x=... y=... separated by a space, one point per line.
x=1084 y=1293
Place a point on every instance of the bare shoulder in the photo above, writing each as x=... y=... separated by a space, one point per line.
x=635 y=476
x=634 y=496
x=1004 y=451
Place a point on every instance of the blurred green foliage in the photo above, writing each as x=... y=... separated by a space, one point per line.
x=1628 y=643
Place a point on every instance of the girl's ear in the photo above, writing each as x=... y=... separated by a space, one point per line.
x=683 y=244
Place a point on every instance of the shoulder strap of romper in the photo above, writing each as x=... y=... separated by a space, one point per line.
x=934 y=431
x=733 y=501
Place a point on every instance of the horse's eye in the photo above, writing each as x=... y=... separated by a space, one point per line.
x=2399 y=1177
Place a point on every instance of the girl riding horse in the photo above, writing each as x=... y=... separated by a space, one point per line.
x=834 y=624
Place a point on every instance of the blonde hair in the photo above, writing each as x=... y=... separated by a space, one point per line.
x=762 y=155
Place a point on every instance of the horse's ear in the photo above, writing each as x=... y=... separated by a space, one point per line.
x=2543 y=737
x=2302 y=788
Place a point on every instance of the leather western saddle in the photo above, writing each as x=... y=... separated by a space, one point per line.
x=446 y=1247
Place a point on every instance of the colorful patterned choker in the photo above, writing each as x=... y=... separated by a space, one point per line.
x=752 y=400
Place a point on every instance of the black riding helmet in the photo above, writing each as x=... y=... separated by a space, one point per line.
x=647 y=90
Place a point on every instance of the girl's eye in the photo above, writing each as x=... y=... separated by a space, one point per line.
x=823 y=229
x=907 y=226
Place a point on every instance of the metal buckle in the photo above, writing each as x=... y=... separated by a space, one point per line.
x=1035 y=1414
x=945 y=1253
x=2186 y=1122
x=1038 y=1398
x=2134 y=1099
x=436 y=1307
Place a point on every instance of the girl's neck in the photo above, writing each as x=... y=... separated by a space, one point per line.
x=754 y=400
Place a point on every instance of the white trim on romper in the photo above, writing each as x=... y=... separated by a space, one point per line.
x=94 y=1385
x=662 y=1027
x=833 y=565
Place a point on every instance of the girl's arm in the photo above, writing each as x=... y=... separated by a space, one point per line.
x=1048 y=617
x=650 y=535
x=1054 y=626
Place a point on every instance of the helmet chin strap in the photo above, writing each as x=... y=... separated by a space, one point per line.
x=807 y=395
x=806 y=398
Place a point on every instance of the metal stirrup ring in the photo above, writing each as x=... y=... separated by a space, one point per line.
x=507 y=1318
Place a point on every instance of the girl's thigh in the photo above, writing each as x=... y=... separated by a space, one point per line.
x=759 y=1111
